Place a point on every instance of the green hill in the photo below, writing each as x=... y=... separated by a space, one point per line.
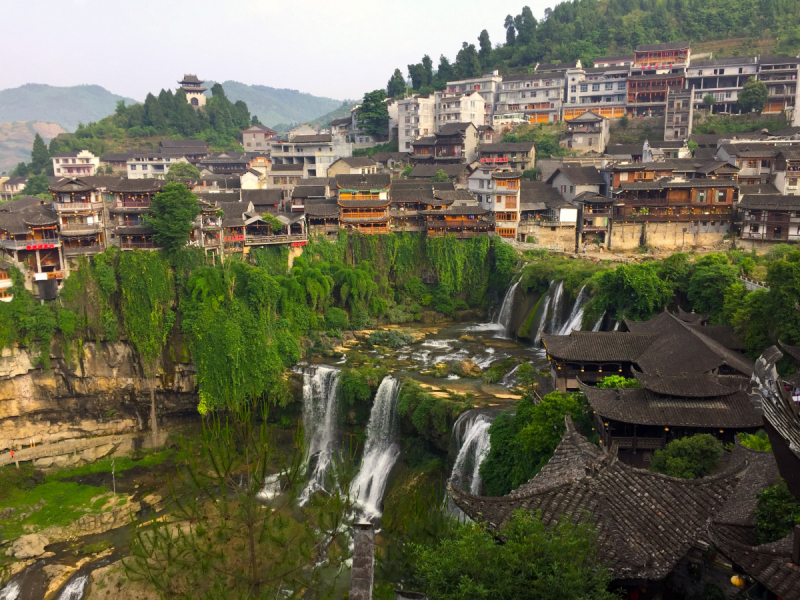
x=273 y=106
x=66 y=106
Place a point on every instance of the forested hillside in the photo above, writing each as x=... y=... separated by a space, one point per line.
x=586 y=29
x=66 y=106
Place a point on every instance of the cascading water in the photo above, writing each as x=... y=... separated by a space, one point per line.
x=537 y=340
x=380 y=450
x=599 y=323
x=471 y=435
x=10 y=592
x=555 y=308
x=74 y=589
x=576 y=316
x=504 y=316
x=320 y=389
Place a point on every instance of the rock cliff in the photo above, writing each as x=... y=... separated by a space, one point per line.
x=100 y=392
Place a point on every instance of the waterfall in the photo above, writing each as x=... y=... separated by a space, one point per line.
x=537 y=340
x=555 y=308
x=616 y=326
x=74 y=589
x=320 y=388
x=599 y=322
x=504 y=316
x=380 y=449
x=471 y=435
x=10 y=592
x=576 y=316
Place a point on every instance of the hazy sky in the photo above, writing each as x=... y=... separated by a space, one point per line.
x=334 y=48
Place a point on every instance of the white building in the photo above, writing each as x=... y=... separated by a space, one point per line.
x=602 y=90
x=467 y=107
x=487 y=86
x=415 y=119
x=151 y=165
x=497 y=190
x=315 y=153
x=538 y=96
x=75 y=164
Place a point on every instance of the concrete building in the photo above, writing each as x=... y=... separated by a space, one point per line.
x=722 y=78
x=150 y=165
x=257 y=137
x=194 y=90
x=602 y=90
x=587 y=132
x=571 y=181
x=314 y=152
x=358 y=165
x=519 y=156
x=497 y=189
x=779 y=74
x=75 y=164
x=467 y=107
x=679 y=115
x=537 y=96
x=303 y=129
x=11 y=187
x=416 y=119
x=487 y=86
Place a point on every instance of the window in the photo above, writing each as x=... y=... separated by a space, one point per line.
x=595 y=87
x=623 y=177
x=621 y=85
x=132 y=167
x=609 y=86
x=765 y=164
x=572 y=189
x=572 y=100
x=728 y=94
x=720 y=196
x=573 y=89
x=741 y=70
x=144 y=167
x=752 y=164
x=702 y=196
x=793 y=184
x=584 y=87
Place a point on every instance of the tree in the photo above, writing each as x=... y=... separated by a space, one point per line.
x=373 y=116
x=713 y=275
x=617 y=381
x=635 y=291
x=753 y=96
x=468 y=63
x=40 y=156
x=485 y=52
x=21 y=170
x=172 y=215
x=511 y=35
x=709 y=101
x=37 y=184
x=146 y=284
x=534 y=561
x=689 y=458
x=182 y=170
x=241 y=533
x=407 y=170
x=440 y=177
x=397 y=85
x=777 y=512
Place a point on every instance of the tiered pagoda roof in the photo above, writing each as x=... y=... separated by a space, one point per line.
x=646 y=522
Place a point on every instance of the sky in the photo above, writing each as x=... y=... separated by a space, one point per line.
x=334 y=48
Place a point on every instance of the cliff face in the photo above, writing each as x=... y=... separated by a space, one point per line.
x=104 y=393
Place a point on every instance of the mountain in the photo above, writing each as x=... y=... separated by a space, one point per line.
x=274 y=106
x=16 y=141
x=66 y=106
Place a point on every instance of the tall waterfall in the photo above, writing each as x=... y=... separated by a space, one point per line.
x=576 y=316
x=599 y=322
x=320 y=388
x=380 y=450
x=471 y=435
x=555 y=308
x=537 y=340
x=504 y=316
x=74 y=589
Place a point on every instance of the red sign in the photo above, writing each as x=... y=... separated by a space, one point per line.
x=39 y=246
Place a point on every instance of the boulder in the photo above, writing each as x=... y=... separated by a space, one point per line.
x=28 y=546
x=468 y=368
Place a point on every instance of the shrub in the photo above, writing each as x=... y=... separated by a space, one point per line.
x=390 y=339
x=757 y=441
x=777 y=512
x=688 y=458
x=618 y=381
x=336 y=319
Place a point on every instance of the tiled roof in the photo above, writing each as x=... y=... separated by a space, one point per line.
x=317 y=181
x=322 y=208
x=758 y=189
x=358 y=161
x=685 y=385
x=221 y=197
x=539 y=191
x=412 y=194
x=137 y=185
x=646 y=522
x=258 y=197
x=724 y=334
x=624 y=149
x=71 y=185
x=311 y=139
x=587 y=117
x=429 y=140
x=692 y=317
x=451 y=196
x=342 y=121
x=770 y=202
x=506 y=147
x=382 y=157
x=454 y=128
x=762 y=472
x=659 y=47
x=598 y=346
x=370 y=181
x=308 y=191
x=579 y=175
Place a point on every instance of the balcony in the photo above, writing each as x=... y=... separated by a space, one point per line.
x=458 y=222
x=263 y=240
x=76 y=206
x=30 y=244
x=209 y=224
x=211 y=243
x=137 y=245
x=76 y=227
x=82 y=250
x=686 y=218
x=458 y=234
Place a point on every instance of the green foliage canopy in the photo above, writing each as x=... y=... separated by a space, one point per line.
x=777 y=512
x=373 y=116
x=689 y=458
x=753 y=96
x=172 y=215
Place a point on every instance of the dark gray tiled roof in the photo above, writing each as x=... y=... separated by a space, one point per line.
x=369 y=181
x=662 y=47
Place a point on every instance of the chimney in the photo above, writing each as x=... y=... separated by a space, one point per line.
x=361 y=573
x=796 y=546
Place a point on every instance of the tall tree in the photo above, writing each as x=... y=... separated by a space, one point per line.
x=427 y=66
x=146 y=284
x=511 y=34
x=444 y=73
x=485 y=52
x=172 y=215
x=40 y=156
x=467 y=62
x=37 y=184
x=182 y=170
x=373 y=116
x=397 y=85
x=753 y=96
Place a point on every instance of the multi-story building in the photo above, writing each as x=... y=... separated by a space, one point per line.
x=654 y=59
x=364 y=202
x=75 y=164
x=12 y=186
x=487 y=86
x=453 y=143
x=353 y=165
x=150 y=165
x=226 y=163
x=614 y=61
x=127 y=210
x=588 y=132
x=722 y=78
x=519 y=156
x=416 y=119
x=467 y=107
x=594 y=221
x=571 y=181
x=29 y=235
x=498 y=192
x=257 y=137
x=770 y=217
x=657 y=68
x=315 y=152
x=678 y=116
x=779 y=74
x=192 y=150
x=602 y=90
x=81 y=217
x=537 y=96
x=195 y=92
x=787 y=171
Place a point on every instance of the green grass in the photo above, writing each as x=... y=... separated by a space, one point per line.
x=120 y=464
x=64 y=503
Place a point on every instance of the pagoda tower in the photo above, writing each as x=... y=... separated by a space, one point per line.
x=194 y=90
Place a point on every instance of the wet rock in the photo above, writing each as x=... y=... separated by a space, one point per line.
x=468 y=368
x=28 y=546
x=467 y=338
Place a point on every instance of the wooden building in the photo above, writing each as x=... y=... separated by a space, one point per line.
x=665 y=200
x=771 y=217
x=364 y=202
x=29 y=235
x=131 y=202
x=81 y=217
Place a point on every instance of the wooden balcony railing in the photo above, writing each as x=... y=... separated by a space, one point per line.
x=75 y=206
x=260 y=240
x=82 y=250
x=133 y=245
